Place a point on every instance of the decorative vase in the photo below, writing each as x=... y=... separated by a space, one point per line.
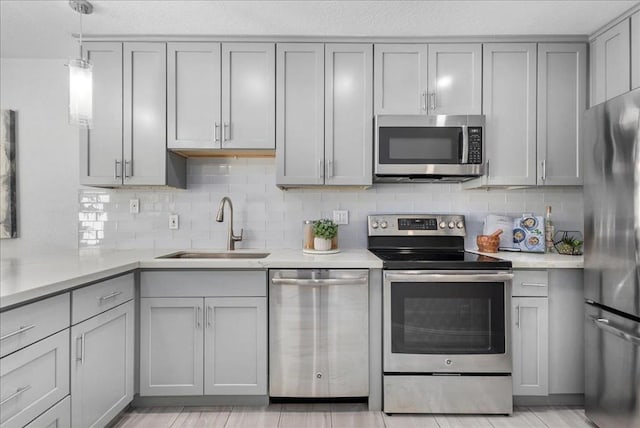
x=321 y=244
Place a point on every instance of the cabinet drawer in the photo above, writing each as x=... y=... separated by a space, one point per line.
x=530 y=283
x=34 y=379
x=59 y=416
x=189 y=283
x=97 y=298
x=27 y=324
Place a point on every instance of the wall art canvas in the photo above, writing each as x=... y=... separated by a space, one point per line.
x=8 y=218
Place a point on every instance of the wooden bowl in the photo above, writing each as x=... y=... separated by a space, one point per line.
x=488 y=243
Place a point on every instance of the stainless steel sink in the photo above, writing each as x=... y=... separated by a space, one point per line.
x=215 y=255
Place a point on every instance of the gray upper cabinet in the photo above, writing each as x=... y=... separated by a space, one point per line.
x=193 y=94
x=509 y=104
x=101 y=146
x=325 y=114
x=400 y=78
x=562 y=83
x=300 y=114
x=221 y=96
x=127 y=144
x=428 y=79
x=610 y=63
x=635 y=50
x=348 y=114
x=455 y=78
x=248 y=96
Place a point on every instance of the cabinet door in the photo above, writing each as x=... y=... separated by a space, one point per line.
x=300 y=113
x=455 y=78
x=562 y=85
x=102 y=366
x=400 y=73
x=610 y=63
x=235 y=354
x=530 y=336
x=145 y=108
x=193 y=95
x=348 y=114
x=59 y=416
x=248 y=95
x=171 y=346
x=101 y=146
x=635 y=50
x=509 y=104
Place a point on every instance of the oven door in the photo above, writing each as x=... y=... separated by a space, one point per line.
x=447 y=322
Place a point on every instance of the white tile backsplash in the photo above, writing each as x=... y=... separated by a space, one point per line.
x=272 y=218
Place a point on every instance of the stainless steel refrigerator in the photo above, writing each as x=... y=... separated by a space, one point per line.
x=612 y=274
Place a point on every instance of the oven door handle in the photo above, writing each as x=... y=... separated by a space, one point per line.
x=416 y=276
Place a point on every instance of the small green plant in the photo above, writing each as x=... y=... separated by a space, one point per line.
x=325 y=228
x=569 y=245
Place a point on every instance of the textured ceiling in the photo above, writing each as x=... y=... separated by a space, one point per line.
x=43 y=28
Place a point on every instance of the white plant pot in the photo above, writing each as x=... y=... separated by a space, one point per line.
x=321 y=244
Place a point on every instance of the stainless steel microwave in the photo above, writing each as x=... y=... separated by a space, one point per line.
x=428 y=148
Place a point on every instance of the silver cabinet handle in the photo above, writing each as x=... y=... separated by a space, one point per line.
x=330 y=168
x=606 y=325
x=544 y=170
x=424 y=100
x=216 y=132
x=116 y=174
x=518 y=317
x=198 y=323
x=209 y=316
x=128 y=169
x=342 y=281
x=110 y=296
x=321 y=168
x=15 y=394
x=18 y=331
x=226 y=131
x=532 y=284
x=81 y=356
x=432 y=96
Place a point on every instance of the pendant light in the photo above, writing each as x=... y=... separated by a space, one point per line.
x=81 y=77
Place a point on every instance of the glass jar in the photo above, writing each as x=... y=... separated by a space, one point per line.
x=307 y=234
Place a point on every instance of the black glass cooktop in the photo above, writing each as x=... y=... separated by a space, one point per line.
x=438 y=260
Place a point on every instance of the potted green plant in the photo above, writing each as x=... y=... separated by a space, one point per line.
x=324 y=230
x=569 y=244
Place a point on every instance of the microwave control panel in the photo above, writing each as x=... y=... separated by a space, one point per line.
x=475 y=144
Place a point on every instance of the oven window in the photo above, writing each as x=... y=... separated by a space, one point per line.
x=447 y=318
x=420 y=145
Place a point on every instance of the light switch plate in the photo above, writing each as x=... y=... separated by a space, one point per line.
x=134 y=206
x=341 y=217
x=173 y=222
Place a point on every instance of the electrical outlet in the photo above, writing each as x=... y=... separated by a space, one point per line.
x=173 y=221
x=341 y=217
x=134 y=206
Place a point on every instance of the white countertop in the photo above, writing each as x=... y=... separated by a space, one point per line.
x=27 y=276
x=538 y=260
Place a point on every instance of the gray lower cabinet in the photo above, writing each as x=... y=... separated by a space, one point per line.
x=530 y=338
x=610 y=63
x=102 y=366
x=127 y=144
x=325 y=122
x=59 y=416
x=562 y=101
x=206 y=337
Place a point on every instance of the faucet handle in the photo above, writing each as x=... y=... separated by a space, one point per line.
x=238 y=238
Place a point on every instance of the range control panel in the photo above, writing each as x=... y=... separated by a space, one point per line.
x=416 y=224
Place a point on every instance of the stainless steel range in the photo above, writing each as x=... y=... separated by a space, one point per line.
x=446 y=341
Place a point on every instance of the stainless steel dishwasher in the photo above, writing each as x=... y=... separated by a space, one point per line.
x=319 y=333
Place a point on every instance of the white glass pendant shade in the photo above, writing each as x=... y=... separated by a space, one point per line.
x=81 y=93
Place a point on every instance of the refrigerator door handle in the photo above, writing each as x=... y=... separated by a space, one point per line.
x=606 y=325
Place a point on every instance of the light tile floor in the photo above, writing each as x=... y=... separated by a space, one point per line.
x=341 y=416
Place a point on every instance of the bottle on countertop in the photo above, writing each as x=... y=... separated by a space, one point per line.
x=548 y=231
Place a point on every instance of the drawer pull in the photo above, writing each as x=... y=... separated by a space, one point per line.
x=18 y=331
x=110 y=296
x=533 y=284
x=15 y=394
x=81 y=351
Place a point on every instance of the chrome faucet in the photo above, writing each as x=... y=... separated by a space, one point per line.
x=231 y=239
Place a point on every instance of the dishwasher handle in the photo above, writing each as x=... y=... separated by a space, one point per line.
x=321 y=282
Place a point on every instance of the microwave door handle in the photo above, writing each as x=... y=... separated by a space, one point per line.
x=465 y=144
